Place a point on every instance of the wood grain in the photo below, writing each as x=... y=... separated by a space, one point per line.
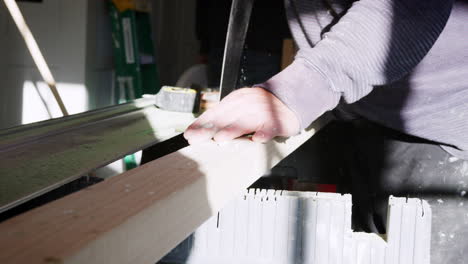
x=139 y=216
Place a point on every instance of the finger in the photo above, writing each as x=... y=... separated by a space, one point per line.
x=205 y=128
x=231 y=132
x=208 y=124
x=245 y=124
x=265 y=134
x=200 y=133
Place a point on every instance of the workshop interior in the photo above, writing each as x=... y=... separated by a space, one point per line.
x=94 y=168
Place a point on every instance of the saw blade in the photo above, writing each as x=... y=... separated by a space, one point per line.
x=235 y=39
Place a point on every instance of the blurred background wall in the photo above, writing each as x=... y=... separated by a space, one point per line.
x=75 y=39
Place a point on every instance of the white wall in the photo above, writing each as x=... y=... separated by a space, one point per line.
x=99 y=55
x=60 y=28
x=74 y=36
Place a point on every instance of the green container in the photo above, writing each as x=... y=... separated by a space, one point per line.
x=134 y=57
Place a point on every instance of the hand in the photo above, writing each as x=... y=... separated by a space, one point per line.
x=245 y=111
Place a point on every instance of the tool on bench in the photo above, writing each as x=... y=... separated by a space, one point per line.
x=186 y=100
x=178 y=99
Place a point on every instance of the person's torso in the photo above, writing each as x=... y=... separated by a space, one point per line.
x=431 y=101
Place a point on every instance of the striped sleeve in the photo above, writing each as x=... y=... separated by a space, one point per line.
x=375 y=43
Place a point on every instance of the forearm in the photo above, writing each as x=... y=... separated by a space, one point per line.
x=375 y=43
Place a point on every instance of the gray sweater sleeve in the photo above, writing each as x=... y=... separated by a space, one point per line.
x=376 y=42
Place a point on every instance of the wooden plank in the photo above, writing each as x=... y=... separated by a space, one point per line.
x=138 y=216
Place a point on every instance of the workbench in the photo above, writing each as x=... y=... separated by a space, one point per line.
x=109 y=221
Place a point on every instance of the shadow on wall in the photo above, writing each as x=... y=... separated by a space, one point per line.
x=39 y=103
x=74 y=37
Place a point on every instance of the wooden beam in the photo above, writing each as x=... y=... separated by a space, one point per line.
x=140 y=215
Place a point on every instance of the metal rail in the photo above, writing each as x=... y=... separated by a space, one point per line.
x=39 y=157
